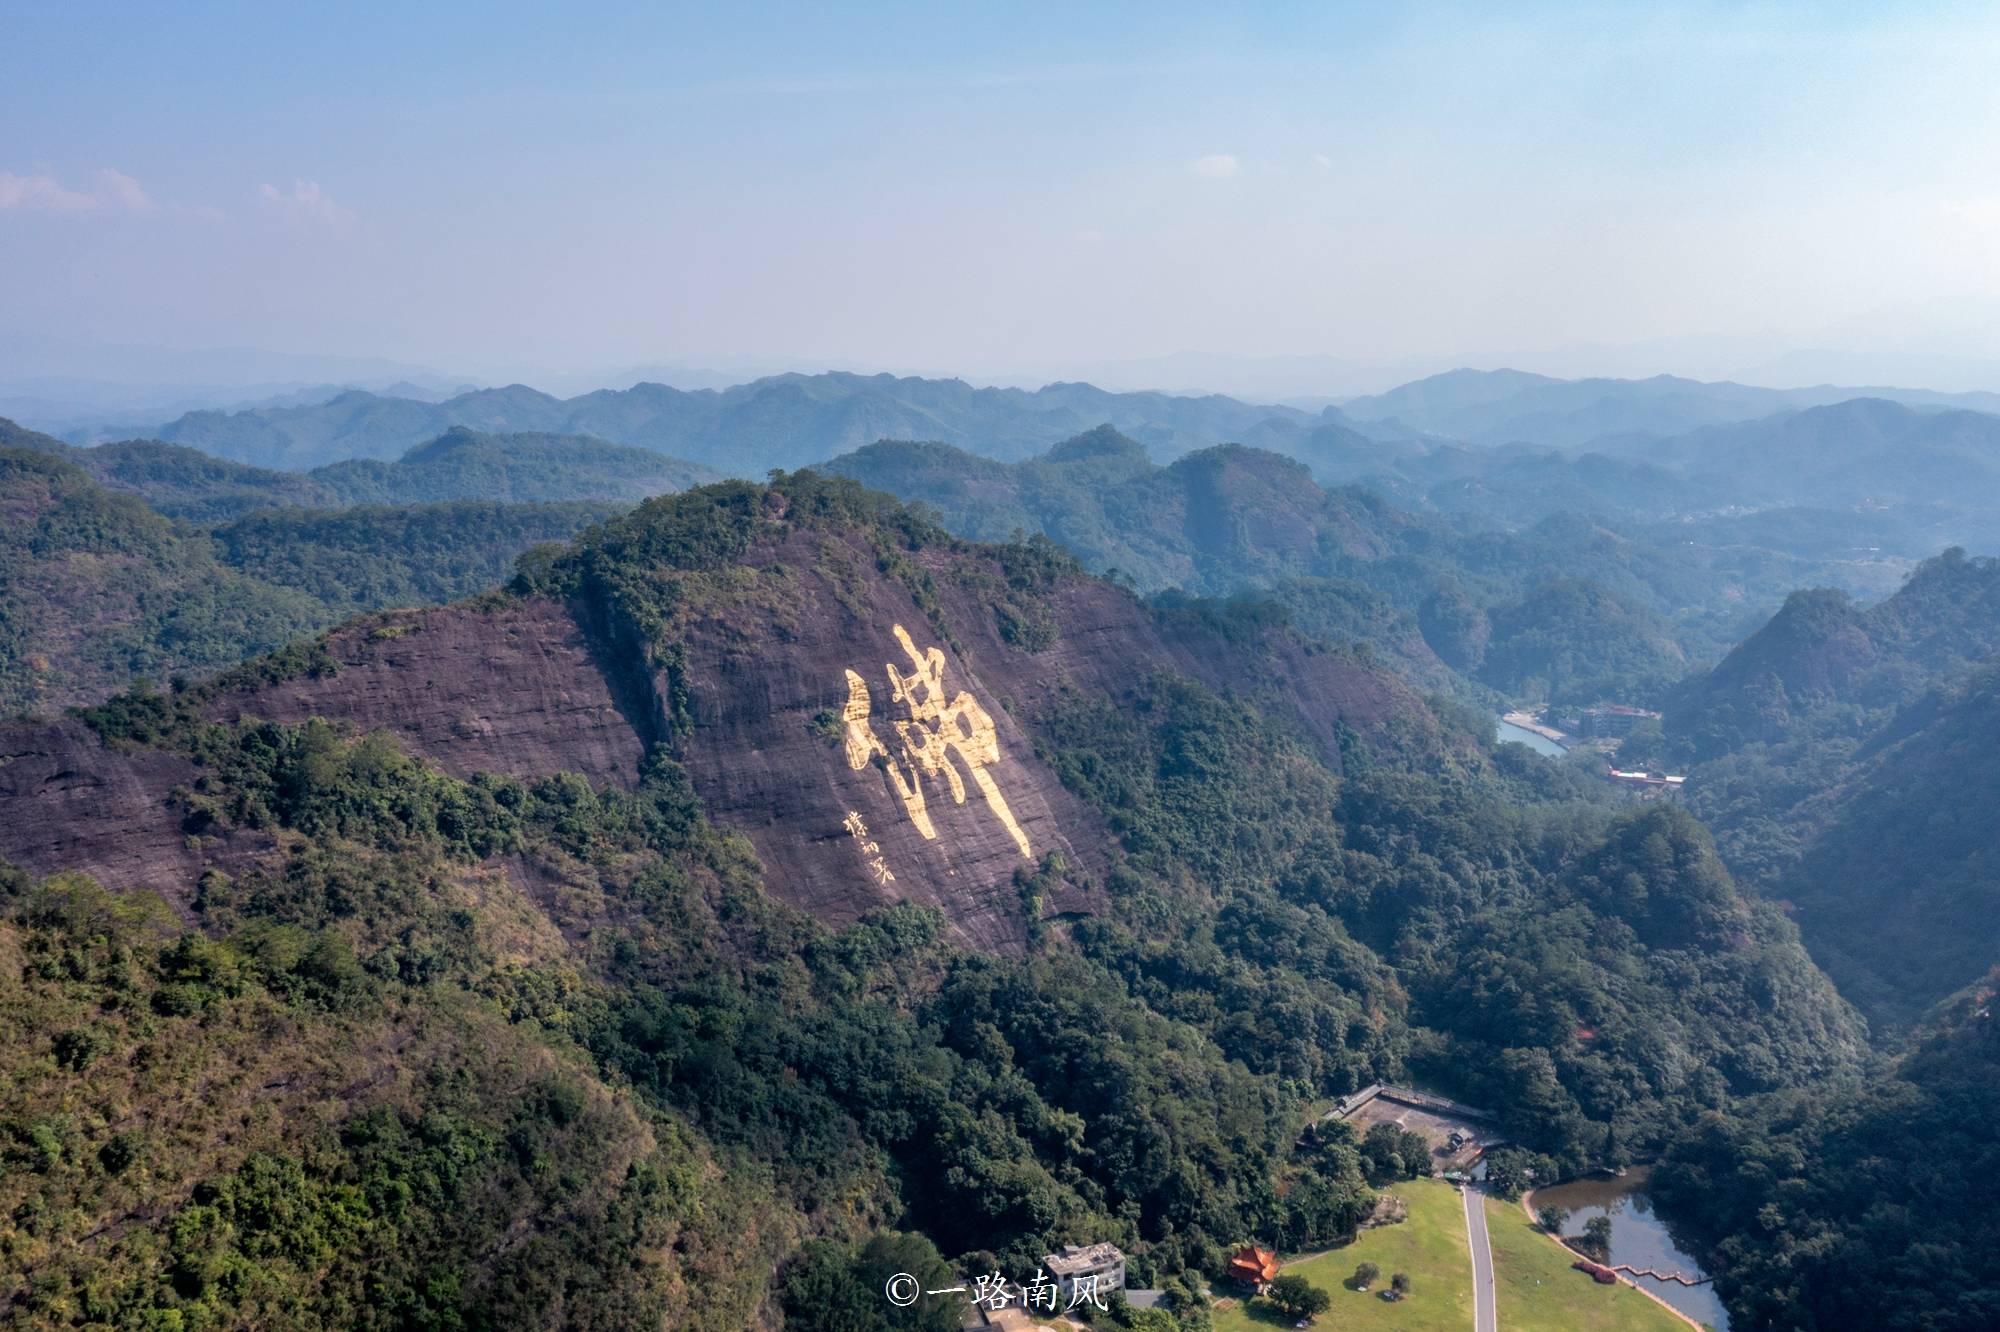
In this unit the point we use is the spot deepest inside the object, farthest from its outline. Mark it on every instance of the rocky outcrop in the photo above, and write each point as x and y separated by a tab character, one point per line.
68	802
865	723
511	689
766	687
909	797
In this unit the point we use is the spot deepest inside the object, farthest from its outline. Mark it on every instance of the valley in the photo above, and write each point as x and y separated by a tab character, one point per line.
969	780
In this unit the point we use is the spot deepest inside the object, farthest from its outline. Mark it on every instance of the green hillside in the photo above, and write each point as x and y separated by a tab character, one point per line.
97	588
1581	611
459	464
592	1007
1862	1206
1841	757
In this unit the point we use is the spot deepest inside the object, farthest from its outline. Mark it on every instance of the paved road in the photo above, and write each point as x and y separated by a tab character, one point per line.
1483	1317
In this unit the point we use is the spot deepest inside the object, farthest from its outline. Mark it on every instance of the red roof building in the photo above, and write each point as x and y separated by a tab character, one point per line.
1253	1266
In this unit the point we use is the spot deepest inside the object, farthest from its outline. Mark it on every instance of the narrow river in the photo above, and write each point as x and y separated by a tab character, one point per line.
1638	1237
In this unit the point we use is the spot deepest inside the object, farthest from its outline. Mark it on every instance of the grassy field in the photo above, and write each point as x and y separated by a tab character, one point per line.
1430	1247
1537	1290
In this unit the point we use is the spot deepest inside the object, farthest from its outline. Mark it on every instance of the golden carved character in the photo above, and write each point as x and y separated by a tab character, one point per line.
862	746
940	734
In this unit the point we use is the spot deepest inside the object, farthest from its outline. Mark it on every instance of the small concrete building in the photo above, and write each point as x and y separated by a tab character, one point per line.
1105	1261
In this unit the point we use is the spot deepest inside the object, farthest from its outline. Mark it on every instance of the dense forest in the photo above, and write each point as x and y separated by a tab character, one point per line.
96	588
622	1030
1564	610
1863	1205
1837	754
737	1109
148	560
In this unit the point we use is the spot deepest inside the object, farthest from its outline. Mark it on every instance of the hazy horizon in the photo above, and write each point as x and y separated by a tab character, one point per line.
1280	205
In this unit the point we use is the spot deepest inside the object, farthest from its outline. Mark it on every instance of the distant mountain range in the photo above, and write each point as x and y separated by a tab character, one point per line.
460	464
1558	609
1854	479
1510	406
784	422
1864	451
1431	442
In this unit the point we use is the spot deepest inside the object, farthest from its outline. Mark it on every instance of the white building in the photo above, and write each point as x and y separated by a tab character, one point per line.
1105	1261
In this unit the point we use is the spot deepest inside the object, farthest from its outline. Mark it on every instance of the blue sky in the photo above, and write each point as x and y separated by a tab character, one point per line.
1000	190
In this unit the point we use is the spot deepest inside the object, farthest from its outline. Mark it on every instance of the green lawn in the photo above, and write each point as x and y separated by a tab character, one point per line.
1538	1291
1430	1246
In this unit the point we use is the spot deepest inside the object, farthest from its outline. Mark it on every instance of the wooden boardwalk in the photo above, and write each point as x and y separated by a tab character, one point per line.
1680	1278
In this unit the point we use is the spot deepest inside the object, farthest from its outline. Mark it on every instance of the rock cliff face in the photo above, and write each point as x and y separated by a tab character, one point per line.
67	802
870	732
830	720
508	689
869	758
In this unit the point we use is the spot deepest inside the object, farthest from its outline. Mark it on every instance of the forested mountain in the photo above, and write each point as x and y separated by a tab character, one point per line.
1843	760
786	420
96	588
376	555
1851	490
1897	888
464	464
783	421
1567	609
1824	662
1863	451
459	464
622	949
1865	1205
1852	479
1660	451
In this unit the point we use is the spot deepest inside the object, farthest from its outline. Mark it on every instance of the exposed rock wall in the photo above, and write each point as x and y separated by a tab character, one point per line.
509	689
772	753
67	802
872	748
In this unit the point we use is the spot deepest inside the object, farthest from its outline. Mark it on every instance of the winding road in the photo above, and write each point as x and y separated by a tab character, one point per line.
1484	1318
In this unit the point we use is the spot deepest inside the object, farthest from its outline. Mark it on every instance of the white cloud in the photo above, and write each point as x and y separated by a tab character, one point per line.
306	202
119	190
1216	166
1322	161
109	191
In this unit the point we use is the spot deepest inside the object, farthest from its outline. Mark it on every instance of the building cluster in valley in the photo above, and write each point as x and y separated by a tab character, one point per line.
1459	1135
1574	727
1606	721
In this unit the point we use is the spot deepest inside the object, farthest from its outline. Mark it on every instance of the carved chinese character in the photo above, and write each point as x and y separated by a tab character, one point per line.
864	747
941	734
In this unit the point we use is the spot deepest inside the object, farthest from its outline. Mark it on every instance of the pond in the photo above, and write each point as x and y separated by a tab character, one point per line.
1638	1238
1521	735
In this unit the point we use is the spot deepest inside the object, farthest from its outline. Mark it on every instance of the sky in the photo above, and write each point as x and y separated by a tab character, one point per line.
1006	191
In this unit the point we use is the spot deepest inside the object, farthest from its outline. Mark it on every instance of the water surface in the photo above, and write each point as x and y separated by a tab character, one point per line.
1541	744
1638	1237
